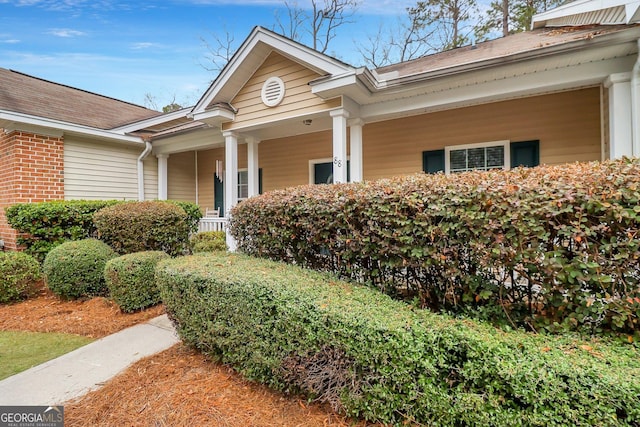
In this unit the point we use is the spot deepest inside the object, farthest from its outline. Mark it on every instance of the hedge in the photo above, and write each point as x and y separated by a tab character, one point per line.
44	225
131	280
208	241
19	276
144	226
382	360
553	247
75	269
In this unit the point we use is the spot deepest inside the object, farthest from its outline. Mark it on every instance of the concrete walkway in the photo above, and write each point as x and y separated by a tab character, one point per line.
87	368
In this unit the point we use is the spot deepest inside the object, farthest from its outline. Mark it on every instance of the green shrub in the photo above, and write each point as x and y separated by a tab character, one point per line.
209	241
19	276
76	269
131	280
144	226
44	225
554	247
194	214
383	360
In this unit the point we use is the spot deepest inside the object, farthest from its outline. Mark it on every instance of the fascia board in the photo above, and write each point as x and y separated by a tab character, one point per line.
295	51
154	121
557	51
12	117
584	75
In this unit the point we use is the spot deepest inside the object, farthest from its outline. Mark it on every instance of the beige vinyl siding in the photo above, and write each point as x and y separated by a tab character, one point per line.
567	125
151	178
298	99
96	170
285	162
182	177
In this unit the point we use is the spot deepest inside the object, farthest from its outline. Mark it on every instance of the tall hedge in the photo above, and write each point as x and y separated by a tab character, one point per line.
548	247
144	226
376	358
44	225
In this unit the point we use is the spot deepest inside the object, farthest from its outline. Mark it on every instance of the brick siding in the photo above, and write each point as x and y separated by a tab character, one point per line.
31	170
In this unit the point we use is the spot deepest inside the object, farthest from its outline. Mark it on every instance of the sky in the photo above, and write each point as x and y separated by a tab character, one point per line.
130	49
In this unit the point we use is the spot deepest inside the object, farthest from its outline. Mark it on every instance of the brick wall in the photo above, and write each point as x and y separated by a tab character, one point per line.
31	170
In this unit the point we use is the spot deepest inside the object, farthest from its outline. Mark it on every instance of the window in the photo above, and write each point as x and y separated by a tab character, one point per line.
491	155
484	156
243	185
321	171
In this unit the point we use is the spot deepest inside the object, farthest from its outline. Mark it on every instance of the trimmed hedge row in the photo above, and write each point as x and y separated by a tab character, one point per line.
379	359
45	225
548	247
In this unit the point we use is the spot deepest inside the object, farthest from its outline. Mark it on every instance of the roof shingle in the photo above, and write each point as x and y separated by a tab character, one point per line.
25	94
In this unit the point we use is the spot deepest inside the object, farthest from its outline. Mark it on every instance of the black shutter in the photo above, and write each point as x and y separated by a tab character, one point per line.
433	161
525	153
260	181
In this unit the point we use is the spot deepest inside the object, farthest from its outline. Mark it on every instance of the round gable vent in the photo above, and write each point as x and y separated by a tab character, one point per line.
272	91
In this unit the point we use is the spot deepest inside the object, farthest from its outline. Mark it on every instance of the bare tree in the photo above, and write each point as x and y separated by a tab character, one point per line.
320	22
295	18
408	40
220	50
151	101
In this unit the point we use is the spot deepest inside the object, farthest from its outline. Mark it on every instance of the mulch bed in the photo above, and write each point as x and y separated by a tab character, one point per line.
178	387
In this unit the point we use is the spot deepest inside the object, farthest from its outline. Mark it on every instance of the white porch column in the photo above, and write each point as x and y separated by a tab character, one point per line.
162	176
340	117
620	116
253	169
355	145
230	179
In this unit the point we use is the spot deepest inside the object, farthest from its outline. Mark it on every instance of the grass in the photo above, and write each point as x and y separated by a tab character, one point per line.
20	351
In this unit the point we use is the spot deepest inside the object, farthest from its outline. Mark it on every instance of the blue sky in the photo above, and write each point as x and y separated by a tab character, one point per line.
126	49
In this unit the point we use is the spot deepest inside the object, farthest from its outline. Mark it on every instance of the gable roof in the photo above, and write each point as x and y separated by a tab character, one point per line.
252	53
21	93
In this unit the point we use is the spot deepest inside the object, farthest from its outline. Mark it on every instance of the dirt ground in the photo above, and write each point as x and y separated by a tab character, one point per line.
178	387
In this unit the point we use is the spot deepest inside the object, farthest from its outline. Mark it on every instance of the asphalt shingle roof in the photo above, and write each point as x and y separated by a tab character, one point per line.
30	95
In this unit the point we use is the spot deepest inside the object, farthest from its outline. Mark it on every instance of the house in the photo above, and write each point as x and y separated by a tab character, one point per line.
281	114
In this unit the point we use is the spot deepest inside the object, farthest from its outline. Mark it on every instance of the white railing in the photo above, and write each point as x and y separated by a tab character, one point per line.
212	224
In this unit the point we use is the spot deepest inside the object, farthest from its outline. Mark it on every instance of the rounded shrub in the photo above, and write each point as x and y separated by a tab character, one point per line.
20	275
76	269
209	241
144	226
131	280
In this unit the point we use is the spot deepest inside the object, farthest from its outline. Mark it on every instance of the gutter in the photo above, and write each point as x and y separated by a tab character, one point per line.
145	153
635	105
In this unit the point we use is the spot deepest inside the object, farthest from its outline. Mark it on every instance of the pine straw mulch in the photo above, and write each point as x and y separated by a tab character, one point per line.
178	387
94	318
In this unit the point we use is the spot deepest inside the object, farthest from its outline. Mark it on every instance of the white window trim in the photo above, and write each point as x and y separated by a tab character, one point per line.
238	185
505	143
314	162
